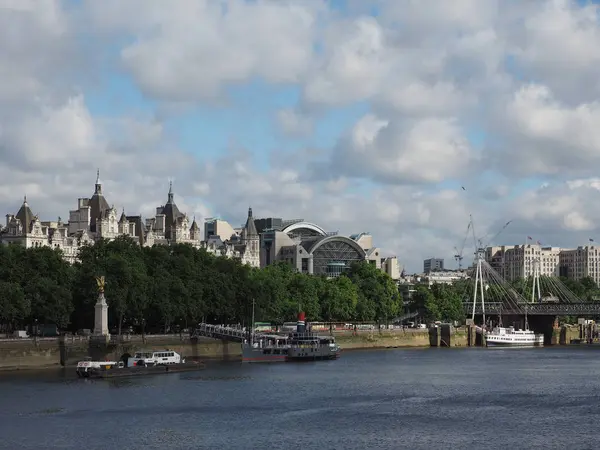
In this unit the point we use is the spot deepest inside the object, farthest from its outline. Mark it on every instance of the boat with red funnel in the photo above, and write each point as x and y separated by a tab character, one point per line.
301	345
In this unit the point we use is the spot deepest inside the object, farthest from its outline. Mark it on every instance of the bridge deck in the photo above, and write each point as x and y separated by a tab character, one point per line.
538	309
224	333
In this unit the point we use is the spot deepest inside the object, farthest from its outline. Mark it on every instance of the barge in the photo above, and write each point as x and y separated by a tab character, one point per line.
142	363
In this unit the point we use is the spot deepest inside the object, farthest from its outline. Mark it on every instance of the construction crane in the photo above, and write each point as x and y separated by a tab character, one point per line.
459	253
492	239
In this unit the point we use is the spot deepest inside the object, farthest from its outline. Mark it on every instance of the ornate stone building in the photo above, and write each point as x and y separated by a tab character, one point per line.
95	219
26	229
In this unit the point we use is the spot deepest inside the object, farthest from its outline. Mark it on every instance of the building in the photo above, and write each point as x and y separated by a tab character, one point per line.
259	242
218	228
444	277
522	261
310	249
433	264
95	219
580	262
392	267
28	230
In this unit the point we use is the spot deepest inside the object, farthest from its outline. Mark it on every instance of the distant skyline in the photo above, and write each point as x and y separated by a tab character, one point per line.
358	115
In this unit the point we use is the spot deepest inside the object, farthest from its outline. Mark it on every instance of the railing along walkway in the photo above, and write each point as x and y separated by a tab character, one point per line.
224	333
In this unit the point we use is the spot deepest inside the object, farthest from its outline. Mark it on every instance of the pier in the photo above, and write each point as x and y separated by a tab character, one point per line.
225	333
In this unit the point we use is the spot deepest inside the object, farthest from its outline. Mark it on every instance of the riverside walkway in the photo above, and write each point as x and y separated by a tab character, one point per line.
225	333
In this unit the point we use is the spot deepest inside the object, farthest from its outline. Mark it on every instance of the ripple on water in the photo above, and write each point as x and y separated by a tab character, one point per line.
389	400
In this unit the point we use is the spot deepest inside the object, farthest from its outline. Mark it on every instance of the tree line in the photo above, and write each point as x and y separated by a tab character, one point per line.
153	289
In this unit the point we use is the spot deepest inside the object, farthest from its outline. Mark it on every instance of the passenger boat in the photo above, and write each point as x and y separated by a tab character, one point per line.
302	345
510	337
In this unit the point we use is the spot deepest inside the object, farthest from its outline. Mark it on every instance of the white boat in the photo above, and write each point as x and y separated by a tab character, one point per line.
509	337
155	358
85	367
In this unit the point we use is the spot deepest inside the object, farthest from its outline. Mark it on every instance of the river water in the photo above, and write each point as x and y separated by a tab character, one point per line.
392	399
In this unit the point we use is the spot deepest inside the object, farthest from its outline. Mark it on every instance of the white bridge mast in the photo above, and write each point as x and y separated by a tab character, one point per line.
478	288
536	282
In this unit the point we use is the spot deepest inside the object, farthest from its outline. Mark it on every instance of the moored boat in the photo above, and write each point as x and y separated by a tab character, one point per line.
269	348
510	337
142	363
85	367
302	345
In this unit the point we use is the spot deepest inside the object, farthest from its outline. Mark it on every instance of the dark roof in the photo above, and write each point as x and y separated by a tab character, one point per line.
98	204
250	227
25	215
171	212
215	240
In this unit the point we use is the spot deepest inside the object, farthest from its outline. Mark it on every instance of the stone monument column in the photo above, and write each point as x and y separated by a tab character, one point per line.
310	264
101	311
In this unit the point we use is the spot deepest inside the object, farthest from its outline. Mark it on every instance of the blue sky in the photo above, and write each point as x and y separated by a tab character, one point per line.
523	97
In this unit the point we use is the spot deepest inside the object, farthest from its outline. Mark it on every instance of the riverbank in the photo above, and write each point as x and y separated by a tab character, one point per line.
26	354
54	353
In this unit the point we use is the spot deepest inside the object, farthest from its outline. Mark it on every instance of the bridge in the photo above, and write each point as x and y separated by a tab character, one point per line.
541	296
224	333
536	309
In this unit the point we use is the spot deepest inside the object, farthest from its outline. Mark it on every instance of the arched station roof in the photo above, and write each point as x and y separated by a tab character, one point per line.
342	239
304	226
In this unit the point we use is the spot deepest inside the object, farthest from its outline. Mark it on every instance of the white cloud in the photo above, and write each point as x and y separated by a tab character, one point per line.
548	137
422	151
188	50
460	92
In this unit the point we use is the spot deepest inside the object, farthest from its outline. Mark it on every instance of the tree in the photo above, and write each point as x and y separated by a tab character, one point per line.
14	306
424	302
379	298
338	298
448	304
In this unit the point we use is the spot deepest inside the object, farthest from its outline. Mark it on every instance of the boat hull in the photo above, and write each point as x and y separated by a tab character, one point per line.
270	355
501	344
314	357
312	354
123	372
263	355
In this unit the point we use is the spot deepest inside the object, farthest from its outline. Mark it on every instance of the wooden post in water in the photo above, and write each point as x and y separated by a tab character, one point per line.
434	336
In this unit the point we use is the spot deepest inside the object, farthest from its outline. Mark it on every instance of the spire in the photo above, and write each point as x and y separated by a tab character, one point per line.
98	189
170	192
250	228
194	226
25	199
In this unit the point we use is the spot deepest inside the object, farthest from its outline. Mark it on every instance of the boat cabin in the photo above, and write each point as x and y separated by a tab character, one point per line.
154	358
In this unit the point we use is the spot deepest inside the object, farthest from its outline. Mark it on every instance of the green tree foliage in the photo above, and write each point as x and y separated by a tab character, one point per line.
157	289
378	297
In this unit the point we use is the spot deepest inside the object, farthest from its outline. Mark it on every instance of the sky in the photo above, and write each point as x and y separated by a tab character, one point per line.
400	118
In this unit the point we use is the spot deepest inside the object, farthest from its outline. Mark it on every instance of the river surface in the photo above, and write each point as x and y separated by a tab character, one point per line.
392	399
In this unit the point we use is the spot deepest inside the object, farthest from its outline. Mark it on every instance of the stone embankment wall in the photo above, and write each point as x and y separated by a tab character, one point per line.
47	352
29	353
385	339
